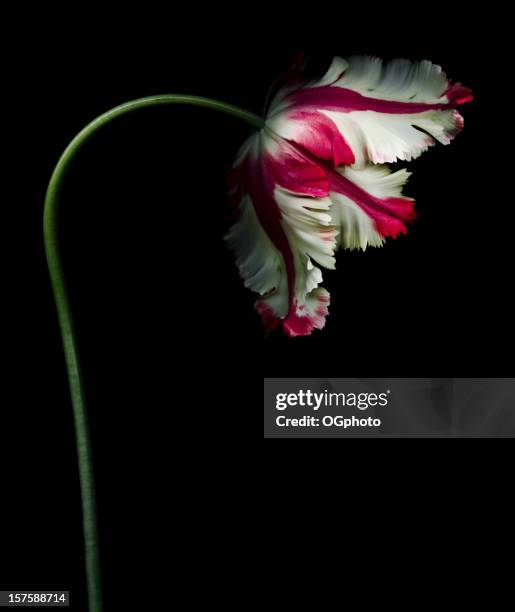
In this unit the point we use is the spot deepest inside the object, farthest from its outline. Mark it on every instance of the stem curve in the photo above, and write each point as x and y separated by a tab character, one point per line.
64	312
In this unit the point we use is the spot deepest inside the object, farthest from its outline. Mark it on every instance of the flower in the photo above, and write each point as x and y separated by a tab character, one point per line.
309	182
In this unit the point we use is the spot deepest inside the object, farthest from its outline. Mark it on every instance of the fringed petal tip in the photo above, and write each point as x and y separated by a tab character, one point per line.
455	129
457	94
303	317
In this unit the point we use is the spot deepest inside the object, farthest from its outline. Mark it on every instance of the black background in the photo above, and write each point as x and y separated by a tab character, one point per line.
159	306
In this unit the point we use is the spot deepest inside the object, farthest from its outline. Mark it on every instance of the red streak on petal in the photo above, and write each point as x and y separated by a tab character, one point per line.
389	214
346	100
259	179
295	172
321	137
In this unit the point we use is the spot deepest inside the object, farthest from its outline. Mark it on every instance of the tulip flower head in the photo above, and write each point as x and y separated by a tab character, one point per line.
315	178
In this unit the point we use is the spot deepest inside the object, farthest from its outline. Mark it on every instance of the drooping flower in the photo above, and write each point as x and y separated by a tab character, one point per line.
308	183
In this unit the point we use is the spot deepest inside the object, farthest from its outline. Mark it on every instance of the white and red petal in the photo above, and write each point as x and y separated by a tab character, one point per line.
280	231
306	312
317	133
366	110
368	205
308	315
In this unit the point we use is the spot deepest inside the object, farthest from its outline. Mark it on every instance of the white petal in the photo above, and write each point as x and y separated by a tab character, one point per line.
258	261
309	229
398	79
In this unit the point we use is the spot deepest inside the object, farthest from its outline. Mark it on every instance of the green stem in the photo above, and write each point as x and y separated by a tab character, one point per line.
50	223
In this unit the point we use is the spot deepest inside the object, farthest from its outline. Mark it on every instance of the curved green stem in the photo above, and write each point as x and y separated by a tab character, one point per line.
50	223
